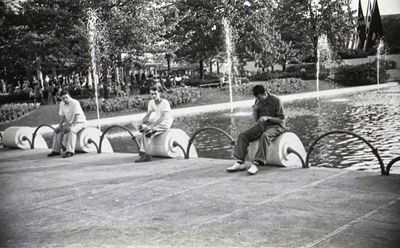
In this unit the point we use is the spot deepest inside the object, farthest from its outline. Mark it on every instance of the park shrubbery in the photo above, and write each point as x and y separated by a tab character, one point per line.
15	98
303	71
352	54
198	82
176	96
275	86
362	74
13	111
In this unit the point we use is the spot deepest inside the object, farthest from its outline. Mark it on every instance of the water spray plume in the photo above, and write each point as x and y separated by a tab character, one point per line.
92	46
229	47
323	53
379	52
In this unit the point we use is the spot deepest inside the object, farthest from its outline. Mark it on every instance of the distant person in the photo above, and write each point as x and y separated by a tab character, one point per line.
50	91
163	121
178	79
38	93
72	120
269	116
3	86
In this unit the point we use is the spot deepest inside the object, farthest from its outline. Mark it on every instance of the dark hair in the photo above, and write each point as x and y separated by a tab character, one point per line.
154	86
64	92
258	89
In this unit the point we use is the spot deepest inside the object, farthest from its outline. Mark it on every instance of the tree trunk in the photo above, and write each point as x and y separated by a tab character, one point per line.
217	67
201	67
168	66
211	66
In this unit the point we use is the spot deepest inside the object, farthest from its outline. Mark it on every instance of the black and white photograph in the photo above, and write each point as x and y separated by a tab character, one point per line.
200	123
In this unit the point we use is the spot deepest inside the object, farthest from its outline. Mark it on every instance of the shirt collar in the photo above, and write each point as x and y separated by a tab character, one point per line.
267	100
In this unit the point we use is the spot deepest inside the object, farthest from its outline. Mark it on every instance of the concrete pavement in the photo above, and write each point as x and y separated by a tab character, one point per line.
103	200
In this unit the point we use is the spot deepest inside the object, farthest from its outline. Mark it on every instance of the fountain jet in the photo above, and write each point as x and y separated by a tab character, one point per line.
92	47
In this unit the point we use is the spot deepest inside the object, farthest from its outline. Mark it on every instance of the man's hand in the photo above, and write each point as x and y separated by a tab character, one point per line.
264	119
58	129
66	128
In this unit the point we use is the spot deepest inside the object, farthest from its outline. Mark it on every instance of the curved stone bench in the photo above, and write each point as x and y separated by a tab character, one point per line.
13	138
162	144
277	152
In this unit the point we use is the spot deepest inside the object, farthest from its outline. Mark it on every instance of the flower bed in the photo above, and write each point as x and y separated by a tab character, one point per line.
274	86
13	111
176	97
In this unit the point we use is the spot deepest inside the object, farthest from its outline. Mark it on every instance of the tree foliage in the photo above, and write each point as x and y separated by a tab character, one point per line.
301	22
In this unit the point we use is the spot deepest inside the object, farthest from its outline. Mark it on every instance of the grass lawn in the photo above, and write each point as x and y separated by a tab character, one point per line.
48	114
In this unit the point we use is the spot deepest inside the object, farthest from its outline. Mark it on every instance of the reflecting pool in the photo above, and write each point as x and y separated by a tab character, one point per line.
374	115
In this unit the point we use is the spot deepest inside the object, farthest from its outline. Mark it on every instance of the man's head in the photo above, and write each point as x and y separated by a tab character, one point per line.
154	93
259	92
65	97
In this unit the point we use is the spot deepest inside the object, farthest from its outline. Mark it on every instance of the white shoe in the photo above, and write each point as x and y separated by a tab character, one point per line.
237	166
253	169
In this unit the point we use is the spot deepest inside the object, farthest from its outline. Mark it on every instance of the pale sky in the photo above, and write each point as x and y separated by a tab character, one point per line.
386	7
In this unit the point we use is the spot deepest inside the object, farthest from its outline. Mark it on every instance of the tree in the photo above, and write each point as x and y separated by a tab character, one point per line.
198	31
301	22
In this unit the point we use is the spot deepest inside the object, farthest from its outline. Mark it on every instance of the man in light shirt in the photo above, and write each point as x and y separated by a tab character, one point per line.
162	122
72	120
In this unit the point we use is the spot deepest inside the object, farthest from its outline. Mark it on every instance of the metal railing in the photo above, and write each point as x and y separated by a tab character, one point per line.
176	144
113	127
291	150
191	140
390	164
373	149
32	143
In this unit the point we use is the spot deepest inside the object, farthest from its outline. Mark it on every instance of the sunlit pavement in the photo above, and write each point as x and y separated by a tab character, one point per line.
100	200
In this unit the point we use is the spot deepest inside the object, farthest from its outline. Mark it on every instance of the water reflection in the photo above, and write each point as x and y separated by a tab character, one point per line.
373	115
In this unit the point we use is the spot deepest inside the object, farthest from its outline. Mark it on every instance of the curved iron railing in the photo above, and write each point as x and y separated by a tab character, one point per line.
373	149
24	138
113	127
176	144
187	154
390	164
291	150
35	132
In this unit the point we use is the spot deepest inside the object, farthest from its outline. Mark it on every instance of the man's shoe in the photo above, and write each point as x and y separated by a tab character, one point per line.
67	155
253	169
53	153
237	166
143	158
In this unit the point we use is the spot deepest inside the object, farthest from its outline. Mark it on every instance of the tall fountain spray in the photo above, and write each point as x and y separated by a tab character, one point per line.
92	46
323	53
229	49
379	52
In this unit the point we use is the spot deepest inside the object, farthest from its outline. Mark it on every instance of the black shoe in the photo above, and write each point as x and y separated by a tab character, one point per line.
143	158
53	153
67	155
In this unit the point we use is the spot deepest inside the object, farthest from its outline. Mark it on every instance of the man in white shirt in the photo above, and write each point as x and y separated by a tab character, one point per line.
162	122
72	120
